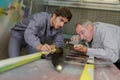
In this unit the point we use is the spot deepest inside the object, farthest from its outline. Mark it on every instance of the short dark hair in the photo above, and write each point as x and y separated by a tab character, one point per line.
64	12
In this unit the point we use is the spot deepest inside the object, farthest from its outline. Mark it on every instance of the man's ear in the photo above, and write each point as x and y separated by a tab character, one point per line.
54	15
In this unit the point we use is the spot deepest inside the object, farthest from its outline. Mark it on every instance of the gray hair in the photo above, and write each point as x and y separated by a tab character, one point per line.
84	24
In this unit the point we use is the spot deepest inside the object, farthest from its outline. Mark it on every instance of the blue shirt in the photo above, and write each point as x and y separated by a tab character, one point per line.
37	30
106	41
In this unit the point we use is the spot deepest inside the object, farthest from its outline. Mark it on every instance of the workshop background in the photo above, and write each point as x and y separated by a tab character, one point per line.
12	11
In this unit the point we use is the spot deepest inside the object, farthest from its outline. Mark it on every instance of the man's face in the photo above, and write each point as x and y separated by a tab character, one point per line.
85	33
58	21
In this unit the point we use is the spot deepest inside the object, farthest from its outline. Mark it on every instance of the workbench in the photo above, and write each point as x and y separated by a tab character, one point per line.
43	70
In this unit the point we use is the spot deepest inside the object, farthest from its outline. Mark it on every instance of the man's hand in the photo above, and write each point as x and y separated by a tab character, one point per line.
45	47
80	48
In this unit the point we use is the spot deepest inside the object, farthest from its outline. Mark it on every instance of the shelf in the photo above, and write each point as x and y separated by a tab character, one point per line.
84	4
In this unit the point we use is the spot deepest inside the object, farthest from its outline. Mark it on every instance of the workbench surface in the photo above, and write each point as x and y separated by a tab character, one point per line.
43	70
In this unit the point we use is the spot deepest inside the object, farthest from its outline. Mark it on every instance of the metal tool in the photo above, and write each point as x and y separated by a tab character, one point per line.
61	55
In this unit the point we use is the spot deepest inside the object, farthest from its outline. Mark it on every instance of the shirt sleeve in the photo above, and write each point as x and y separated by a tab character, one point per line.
58	39
107	47
31	31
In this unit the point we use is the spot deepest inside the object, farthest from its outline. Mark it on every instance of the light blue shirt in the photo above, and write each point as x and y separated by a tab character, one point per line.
106	41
